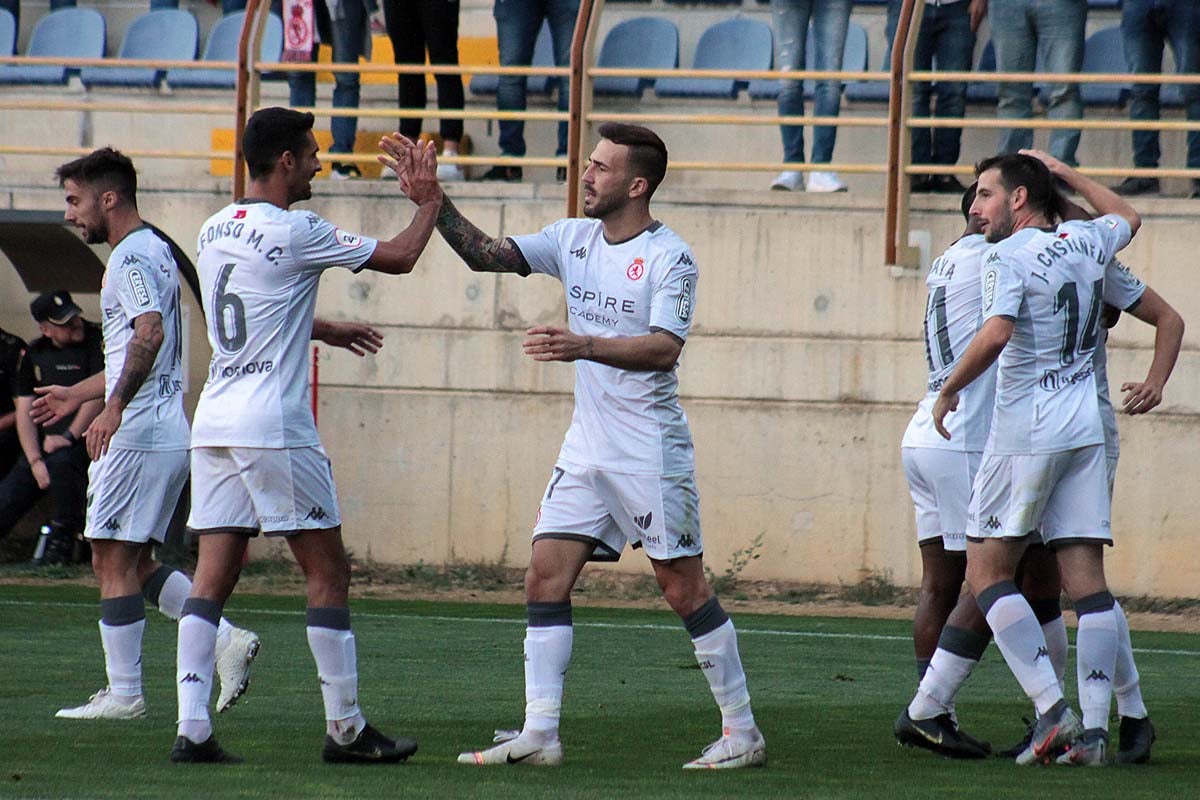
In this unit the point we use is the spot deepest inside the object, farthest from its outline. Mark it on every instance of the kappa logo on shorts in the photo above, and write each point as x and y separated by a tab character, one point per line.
686	540
112	524
992	524
316	513
644	521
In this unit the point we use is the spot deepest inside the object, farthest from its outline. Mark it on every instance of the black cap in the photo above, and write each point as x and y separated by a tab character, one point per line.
56	307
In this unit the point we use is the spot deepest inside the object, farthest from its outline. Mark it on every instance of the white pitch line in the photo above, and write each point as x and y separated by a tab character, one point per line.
649	626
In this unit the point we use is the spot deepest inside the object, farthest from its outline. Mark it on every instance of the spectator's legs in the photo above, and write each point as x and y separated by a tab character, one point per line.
1060	36
789	19
348	32
922	138
402	18
1015	39
517	24
13	6
953	49
831	20
561	15
1143	42
18	492
439	19
1184	32
68	485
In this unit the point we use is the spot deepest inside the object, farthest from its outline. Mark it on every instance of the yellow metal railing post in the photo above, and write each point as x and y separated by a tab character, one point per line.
583	45
896	217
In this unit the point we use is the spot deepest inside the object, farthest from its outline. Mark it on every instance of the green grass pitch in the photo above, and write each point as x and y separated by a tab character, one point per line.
825	693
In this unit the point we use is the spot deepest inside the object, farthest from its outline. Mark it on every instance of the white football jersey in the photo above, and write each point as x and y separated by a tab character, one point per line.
1123	290
624	421
1051	283
259	267
142	277
953	314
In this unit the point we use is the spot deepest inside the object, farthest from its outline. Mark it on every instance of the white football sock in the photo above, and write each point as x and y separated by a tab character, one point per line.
946	674
547	656
196	653
1096	660
1126	681
1055	632
337	667
174	593
123	656
1017	633
717	655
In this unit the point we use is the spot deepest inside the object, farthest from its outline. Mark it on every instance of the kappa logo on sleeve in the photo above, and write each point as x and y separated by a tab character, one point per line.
347	239
137	285
683	308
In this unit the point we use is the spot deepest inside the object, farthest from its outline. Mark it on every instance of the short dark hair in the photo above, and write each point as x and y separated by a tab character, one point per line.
968	200
106	169
271	132
647	153
1021	170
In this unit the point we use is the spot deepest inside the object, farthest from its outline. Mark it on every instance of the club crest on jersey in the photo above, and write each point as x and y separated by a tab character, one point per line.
137	284
348	239
683	308
636	270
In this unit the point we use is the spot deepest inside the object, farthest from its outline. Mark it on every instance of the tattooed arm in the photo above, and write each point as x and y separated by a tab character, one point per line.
139	361
481	252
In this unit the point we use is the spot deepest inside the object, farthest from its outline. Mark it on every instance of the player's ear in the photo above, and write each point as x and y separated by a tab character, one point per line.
1018	198
638	187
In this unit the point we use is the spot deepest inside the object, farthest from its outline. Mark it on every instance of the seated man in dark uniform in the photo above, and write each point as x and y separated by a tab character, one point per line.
12	350
53	458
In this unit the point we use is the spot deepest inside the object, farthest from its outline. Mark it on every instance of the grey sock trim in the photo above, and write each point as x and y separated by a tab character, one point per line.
988	597
1095	603
1046	609
705	619
153	587
206	610
122	610
963	643
922	666
337	619
548	615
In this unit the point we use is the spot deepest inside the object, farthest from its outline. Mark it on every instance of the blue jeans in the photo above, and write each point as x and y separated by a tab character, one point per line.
945	38
830	21
1146	25
517	25
346	37
1045	34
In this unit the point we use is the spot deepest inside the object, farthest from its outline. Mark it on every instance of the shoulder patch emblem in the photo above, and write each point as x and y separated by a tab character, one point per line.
348	239
989	288
683	308
137	285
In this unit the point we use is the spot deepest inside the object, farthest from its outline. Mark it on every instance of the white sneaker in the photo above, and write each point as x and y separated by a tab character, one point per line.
788	181
511	750
388	174
825	182
733	750
450	172
105	705
233	666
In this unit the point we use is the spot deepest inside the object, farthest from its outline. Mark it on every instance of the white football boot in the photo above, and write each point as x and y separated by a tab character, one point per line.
733	750
233	666
105	705
512	750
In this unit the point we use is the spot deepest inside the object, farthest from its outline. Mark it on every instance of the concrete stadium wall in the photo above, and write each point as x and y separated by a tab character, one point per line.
804	367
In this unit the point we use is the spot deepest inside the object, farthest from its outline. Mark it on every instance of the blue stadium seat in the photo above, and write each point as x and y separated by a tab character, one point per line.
984	92
854	58
8	33
167	35
651	42
67	33
543	56
737	43
222	45
1104	52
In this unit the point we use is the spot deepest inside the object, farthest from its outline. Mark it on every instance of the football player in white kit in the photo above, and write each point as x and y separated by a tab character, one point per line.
139	442
625	473
257	461
1044	466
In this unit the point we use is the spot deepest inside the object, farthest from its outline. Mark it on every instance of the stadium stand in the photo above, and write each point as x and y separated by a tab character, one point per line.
66	33
222	46
8	33
855	57
543	56
736	43
165	35
1104	52
651	42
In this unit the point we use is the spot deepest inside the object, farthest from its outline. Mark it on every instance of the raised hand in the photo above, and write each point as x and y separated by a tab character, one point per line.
356	337
52	404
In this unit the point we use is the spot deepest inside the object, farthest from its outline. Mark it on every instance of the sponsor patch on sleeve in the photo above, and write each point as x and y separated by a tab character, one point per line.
989	289
683	308
137	285
347	239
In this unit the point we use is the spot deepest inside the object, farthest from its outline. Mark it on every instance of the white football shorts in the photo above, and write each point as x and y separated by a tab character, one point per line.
659	513
940	484
252	489
1064	495
132	494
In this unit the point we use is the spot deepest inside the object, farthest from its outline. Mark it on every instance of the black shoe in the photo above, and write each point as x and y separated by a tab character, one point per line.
1131	187
920	184
946	184
1137	735
939	734
343	172
507	174
186	751
1021	746
371	747
560	175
